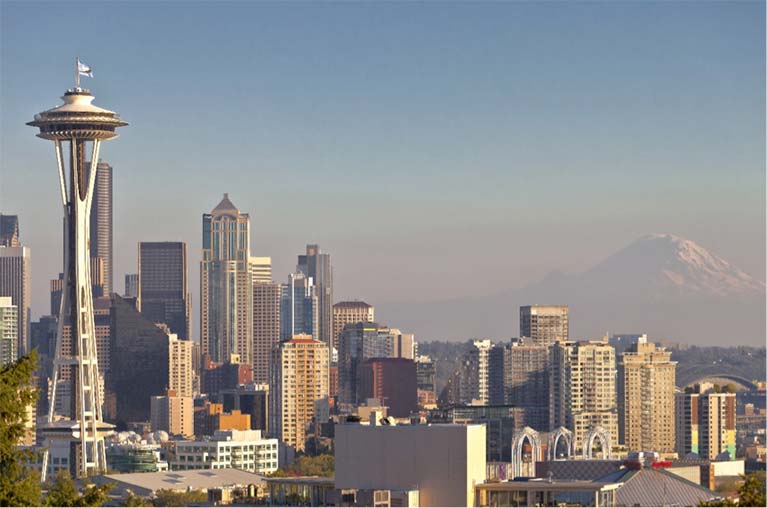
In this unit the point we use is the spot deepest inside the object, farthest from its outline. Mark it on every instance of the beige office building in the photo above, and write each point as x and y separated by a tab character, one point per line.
345	313
173	414
705	423
266	326
226	303
438	465
261	269
544	324
180	372
646	384
299	379
582	388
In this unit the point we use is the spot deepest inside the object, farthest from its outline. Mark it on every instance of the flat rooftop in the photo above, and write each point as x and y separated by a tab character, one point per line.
202	479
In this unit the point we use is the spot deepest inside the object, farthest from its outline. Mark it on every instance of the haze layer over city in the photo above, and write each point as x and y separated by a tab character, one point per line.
442	153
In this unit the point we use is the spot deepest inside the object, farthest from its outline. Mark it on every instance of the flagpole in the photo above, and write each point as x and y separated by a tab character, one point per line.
77	72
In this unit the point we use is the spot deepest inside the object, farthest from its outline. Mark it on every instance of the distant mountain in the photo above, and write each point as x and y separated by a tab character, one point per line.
666	286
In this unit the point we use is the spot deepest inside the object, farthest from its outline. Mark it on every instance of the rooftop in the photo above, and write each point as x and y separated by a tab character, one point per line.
202	479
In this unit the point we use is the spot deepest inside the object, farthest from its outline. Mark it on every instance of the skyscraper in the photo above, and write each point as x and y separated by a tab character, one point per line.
163	292
9	330
9	230
544	324
345	313
646	385
318	266
393	381
582	388
364	341
705	423
180	373
102	245
299	380
15	273
299	307
519	376
226	306
266	326
140	365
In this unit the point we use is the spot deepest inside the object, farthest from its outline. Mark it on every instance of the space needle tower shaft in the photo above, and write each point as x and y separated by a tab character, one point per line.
77	129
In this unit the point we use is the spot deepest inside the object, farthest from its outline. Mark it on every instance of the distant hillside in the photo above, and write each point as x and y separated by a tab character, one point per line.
694	362
665	286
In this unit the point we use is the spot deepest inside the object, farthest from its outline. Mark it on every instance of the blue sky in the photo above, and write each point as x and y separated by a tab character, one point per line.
434	149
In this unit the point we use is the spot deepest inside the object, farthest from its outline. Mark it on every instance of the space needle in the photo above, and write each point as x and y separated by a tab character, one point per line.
77	129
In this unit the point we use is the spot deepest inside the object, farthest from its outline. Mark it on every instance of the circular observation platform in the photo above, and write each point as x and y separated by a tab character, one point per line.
77	119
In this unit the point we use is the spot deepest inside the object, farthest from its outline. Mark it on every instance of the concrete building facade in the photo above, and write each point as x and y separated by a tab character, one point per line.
705	423
163	288
646	385
299	380
582	389
544	324
345	313
266	326
442	463
246	450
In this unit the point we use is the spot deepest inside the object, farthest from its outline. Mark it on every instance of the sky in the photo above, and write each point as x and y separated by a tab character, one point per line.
435	150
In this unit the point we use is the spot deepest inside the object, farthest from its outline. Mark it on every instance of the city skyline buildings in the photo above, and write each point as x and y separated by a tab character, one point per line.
404	171
163	291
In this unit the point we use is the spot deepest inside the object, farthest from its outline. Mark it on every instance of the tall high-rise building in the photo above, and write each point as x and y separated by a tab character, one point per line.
544	324
346	313
393	381
582	388
705	423
299	380
299	307
261	269
9	231
519	377
646	385
364	341
475	373
266	326
131	285
9	330
102	245
226	297
318	266
139	363
15	273
180	372
163	292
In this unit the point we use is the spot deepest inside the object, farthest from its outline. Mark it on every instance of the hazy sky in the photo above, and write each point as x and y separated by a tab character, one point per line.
435	150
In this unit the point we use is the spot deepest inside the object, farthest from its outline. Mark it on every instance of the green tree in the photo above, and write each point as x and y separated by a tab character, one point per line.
304	465
165	497
133	500
752	491
19	483
63	492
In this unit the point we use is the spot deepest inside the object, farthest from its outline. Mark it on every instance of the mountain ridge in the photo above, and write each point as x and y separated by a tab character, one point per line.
661	284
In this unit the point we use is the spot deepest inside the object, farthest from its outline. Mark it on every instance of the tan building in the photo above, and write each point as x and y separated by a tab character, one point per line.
646	384
266	326
260	269
345	313
544	324
299	379
9	331
582	388
180	372
173	414
439	464
226	305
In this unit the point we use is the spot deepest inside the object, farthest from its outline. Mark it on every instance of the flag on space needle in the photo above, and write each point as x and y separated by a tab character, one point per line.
84	70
